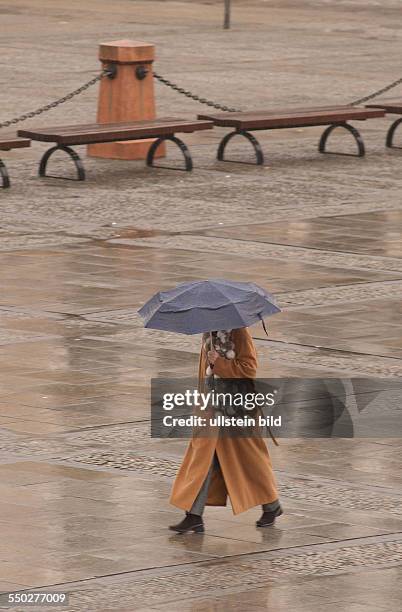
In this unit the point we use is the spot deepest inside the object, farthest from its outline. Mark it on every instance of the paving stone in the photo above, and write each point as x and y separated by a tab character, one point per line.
259	250
258	572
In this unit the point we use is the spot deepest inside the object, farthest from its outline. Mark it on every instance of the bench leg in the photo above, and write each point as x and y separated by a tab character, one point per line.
5	183
390	135
355	133
188	162
256	146
74	156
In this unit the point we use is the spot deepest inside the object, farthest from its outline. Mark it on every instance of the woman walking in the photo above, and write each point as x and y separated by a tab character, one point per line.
218	467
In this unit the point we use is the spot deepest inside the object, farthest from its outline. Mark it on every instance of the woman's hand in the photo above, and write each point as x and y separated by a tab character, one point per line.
212	356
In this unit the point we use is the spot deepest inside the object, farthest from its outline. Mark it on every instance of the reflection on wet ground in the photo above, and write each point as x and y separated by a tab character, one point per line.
84	488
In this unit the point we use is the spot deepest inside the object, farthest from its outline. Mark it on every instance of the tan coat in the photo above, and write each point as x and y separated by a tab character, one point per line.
246	474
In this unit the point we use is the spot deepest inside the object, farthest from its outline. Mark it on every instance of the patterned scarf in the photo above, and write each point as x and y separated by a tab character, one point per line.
222	343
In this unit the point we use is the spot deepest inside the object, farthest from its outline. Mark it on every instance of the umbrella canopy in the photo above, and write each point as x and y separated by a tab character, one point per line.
210	305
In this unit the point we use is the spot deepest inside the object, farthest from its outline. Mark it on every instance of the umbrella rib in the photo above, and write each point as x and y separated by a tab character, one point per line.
173	296
213	281
203	307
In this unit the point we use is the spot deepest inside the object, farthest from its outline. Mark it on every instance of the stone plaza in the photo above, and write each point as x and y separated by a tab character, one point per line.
84	488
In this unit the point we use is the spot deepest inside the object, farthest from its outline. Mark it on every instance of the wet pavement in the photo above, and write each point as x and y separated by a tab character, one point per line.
84	489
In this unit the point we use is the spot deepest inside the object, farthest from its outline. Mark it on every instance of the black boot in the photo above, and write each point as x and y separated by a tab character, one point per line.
268	518
192	522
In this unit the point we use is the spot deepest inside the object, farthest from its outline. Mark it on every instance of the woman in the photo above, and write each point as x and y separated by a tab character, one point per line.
216	467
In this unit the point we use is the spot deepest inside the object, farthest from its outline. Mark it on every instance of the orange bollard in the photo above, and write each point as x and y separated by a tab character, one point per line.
128	96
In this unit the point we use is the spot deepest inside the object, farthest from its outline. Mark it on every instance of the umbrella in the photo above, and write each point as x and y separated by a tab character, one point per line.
208	305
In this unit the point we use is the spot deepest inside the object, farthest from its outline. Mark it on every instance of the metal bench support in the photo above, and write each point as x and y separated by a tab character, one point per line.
256	146
5	183
188	162
355	133
390	134
74	156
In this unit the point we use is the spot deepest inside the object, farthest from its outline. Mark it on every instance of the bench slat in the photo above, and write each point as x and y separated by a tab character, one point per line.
110	132
292	118
275	111
12	142
389	106
118	125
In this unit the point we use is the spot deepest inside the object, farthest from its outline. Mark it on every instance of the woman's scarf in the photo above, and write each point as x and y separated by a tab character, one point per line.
222	343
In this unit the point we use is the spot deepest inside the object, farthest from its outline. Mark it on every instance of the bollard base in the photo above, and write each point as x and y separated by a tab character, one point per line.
125	149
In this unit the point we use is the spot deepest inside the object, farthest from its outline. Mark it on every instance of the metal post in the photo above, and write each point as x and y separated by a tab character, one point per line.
226	20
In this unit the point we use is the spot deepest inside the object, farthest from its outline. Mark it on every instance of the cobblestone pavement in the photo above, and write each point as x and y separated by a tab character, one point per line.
83	487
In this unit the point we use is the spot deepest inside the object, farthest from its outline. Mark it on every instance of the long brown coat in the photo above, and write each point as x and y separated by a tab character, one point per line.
246	474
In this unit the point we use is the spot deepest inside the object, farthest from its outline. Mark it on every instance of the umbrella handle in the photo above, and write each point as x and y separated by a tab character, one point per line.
212	346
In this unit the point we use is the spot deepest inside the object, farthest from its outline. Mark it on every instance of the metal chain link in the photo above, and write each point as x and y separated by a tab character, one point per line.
377	93
189	94
56	103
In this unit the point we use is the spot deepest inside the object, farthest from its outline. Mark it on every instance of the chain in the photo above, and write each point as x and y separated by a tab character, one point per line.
188	94
377	93
173	86
56	103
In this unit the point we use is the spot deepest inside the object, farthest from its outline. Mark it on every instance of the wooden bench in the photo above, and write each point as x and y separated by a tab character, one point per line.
392	107
161	129
7	143
333	116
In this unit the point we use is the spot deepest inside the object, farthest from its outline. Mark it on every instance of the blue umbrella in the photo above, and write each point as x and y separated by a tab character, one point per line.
205	306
